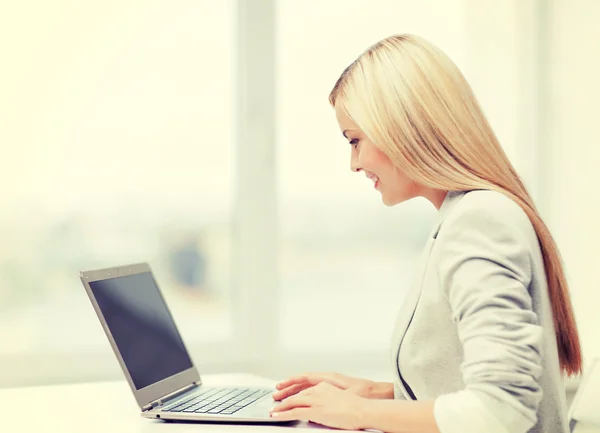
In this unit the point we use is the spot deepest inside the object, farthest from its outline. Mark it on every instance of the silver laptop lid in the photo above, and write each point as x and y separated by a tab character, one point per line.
141	331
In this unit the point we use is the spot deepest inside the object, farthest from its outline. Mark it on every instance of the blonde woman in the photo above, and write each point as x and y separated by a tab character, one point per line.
487	329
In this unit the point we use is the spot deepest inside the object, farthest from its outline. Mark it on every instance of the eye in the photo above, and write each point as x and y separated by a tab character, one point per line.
354	142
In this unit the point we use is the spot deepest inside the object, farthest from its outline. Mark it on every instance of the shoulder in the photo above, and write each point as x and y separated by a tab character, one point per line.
490	212
483	229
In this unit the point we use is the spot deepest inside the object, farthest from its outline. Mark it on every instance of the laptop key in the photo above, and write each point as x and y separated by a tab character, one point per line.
229	411
214	411
186	404
191	408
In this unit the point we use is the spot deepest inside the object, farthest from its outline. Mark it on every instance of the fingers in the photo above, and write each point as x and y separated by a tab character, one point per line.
299	400
294	380
311	379
289	391
299	413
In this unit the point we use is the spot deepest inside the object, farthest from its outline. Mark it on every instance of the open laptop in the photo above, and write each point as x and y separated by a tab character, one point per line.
153	357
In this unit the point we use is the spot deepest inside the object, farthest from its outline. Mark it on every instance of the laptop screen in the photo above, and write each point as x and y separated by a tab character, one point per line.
142	327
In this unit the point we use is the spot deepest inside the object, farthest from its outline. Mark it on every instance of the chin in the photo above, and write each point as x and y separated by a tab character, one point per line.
392	201
388	202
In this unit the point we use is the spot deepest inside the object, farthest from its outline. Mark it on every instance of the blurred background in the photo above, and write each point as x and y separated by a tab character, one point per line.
196	135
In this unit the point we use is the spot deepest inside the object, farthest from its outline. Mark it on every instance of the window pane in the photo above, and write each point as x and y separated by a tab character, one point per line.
117	149
346	258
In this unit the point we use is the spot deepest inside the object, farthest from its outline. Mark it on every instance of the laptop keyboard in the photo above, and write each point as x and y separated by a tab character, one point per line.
224	401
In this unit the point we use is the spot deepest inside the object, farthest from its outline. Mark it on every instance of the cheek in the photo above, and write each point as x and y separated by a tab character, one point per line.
386	171
375	160
394	181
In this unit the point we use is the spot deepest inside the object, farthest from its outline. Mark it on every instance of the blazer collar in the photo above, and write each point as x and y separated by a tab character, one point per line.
412	297
452	197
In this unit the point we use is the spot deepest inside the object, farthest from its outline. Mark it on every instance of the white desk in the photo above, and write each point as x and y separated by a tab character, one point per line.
107	407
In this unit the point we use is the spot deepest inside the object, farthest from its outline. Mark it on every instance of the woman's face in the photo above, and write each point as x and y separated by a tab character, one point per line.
394	186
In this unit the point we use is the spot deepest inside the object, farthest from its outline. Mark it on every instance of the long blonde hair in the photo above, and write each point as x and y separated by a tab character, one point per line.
415	105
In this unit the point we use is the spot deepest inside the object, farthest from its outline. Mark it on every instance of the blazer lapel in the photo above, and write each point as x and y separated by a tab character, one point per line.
450	201
411	299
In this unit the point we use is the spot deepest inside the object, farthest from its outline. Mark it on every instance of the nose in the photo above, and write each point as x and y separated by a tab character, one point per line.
354	165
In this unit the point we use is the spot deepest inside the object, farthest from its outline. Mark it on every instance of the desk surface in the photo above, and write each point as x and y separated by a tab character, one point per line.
107	407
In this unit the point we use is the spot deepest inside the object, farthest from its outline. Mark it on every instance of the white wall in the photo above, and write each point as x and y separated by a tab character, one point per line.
503	40
574	148
564	183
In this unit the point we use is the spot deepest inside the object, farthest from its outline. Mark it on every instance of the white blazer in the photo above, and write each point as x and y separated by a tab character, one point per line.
475	333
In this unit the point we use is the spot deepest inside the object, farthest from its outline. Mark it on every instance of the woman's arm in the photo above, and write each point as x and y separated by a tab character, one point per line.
485	270
404	416
381	391
362	387
399	416
331	406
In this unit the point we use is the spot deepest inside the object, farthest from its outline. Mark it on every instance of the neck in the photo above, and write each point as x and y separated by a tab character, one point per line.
435	196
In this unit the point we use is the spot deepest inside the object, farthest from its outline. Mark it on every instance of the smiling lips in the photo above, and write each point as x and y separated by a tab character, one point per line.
374	178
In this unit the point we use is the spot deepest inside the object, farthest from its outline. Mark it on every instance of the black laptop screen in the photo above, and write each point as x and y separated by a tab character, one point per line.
142	328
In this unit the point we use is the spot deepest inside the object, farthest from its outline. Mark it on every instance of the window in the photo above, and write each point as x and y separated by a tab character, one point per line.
346	259
118	148
172	133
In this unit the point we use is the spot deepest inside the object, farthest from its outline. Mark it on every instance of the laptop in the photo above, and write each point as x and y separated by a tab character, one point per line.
153	357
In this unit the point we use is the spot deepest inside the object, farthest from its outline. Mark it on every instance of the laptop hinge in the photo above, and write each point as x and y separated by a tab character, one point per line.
165	398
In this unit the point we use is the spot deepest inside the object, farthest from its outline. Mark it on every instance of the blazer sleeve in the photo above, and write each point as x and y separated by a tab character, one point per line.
485	271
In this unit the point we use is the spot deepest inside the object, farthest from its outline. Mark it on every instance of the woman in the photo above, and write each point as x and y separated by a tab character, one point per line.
487	328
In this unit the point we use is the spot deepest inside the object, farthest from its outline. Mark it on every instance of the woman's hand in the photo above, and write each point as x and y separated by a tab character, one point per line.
361	387
324	404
